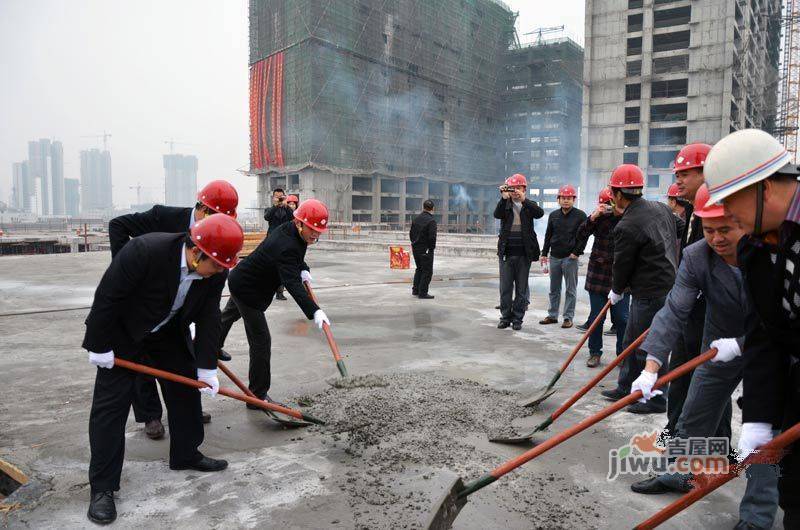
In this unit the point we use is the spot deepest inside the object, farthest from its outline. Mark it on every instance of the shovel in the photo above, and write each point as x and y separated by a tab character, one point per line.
769	453
280	418
175	378
524	438
455	497
329	335
543	393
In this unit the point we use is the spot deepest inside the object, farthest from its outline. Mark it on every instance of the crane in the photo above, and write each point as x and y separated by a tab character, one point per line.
544	31
105	136
172	143
138	189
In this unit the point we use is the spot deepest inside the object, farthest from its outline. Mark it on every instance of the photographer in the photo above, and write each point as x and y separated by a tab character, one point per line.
276	215
517	248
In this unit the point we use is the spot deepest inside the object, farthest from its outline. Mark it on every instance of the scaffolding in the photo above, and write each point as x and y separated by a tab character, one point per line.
789	111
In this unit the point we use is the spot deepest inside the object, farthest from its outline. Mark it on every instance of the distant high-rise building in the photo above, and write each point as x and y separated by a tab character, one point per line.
96	181
21	187
72	197
180	179
46	165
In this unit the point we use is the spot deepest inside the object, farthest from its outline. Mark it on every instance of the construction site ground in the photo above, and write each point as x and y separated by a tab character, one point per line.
451	376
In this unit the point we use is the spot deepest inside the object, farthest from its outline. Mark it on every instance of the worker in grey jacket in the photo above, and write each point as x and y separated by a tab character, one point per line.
708	266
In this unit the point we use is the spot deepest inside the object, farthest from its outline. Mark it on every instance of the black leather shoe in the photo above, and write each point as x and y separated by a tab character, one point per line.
650	486
516	326
426	296
497	307
280	296
613	395
582	327
262	398
647	408
414	292
222	355
101	508
154	429
206	417
204	464
503	324
612	332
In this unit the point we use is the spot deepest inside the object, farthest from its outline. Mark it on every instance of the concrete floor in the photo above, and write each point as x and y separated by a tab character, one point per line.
277	477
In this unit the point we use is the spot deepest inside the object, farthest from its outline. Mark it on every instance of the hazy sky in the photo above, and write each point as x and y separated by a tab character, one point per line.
146	71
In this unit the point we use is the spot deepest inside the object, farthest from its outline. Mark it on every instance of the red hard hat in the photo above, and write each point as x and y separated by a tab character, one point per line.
220	196
220	238
313	214
691	156
567	191
517	179
672	192
627	176
292	198
701	206
605	196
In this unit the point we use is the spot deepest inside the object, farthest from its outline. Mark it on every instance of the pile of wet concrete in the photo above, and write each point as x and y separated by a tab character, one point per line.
408	429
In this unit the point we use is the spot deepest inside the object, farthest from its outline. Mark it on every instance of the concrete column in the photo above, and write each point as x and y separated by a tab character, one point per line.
402	219
376	199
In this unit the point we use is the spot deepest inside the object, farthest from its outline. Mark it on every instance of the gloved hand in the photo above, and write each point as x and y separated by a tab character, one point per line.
645	383
321	318
754	435
614	297
306	276
209	377
727	350
102	360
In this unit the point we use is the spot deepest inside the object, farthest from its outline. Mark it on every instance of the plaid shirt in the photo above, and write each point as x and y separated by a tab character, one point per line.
598	274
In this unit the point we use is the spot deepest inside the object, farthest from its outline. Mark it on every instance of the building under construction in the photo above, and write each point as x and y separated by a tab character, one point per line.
374	107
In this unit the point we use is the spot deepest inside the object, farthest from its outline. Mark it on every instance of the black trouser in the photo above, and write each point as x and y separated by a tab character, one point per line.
258	338
146	403
789	480
422	276
111	403
686	348
639	319
514	271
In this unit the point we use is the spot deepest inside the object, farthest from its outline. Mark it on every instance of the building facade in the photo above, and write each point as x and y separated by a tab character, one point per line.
659	74
21	187
96	198
180	179
72	197
45	177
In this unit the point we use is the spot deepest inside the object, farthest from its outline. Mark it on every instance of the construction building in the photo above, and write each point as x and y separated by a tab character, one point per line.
43	186
180	180
374	107
21	187
540	102
72	197
96	182
660	74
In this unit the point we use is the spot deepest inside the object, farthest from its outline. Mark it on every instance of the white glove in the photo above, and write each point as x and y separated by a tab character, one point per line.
645	383
754	435
210	378
614	297
321	318
102	360
727	350
306	276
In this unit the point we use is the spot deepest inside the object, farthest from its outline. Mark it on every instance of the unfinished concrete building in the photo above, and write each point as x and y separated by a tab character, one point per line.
374	107
541	94
663	73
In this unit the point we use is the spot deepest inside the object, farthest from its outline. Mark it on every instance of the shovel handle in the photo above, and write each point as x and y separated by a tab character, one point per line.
555	440
236	381
585	336
772	448
326	328
613	364
175	378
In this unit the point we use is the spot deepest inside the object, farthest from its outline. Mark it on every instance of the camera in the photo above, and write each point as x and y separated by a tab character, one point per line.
506	189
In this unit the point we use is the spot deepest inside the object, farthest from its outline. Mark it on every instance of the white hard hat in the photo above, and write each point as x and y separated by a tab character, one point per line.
740	160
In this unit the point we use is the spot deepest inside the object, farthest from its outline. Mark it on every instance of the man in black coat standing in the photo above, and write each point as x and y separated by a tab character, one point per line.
279	213
279	259
217	196
154	288
423	243
517	248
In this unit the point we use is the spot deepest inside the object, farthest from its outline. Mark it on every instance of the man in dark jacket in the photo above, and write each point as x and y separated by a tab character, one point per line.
601	225
752	174
154	288
423	243
217	196
279	213
645	261
517	248
562	242
279	259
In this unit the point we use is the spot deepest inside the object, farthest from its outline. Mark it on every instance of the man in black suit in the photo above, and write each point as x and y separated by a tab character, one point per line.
154	288
423	243
279	259
279	213
217	196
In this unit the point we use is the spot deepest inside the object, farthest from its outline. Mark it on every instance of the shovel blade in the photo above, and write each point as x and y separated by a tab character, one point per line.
537	397
512	439
286	421
447	508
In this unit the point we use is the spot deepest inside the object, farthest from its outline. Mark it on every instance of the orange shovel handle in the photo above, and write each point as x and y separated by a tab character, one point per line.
585	336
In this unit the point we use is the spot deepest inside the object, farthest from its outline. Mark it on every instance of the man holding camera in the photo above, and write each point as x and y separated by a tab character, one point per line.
517	248
275	216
